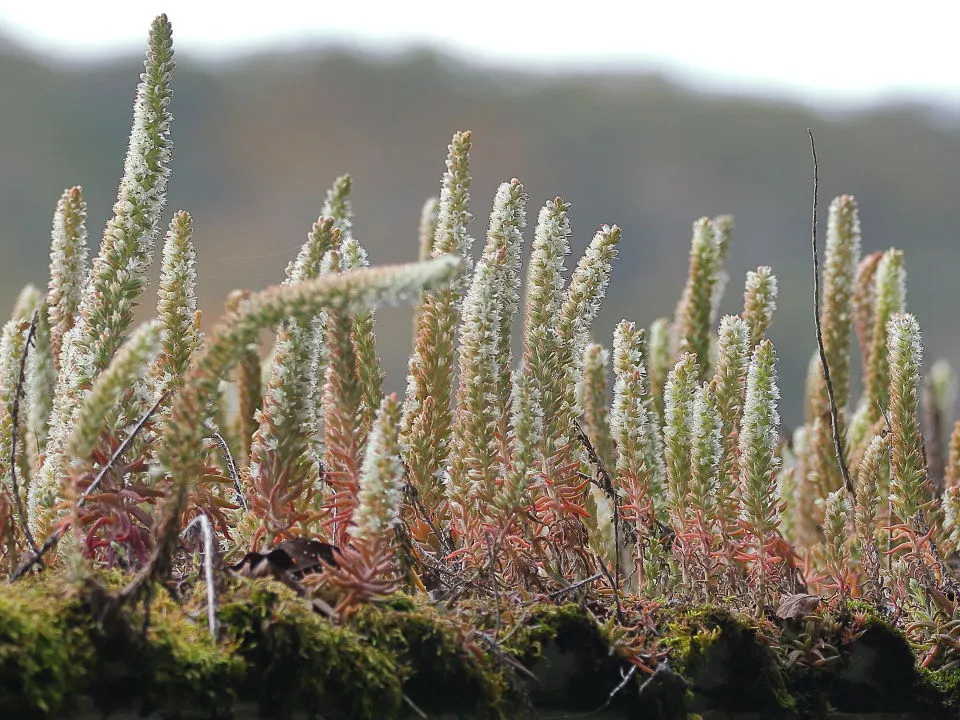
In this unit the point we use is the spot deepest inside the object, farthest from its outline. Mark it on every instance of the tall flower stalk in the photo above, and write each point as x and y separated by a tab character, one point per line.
759	465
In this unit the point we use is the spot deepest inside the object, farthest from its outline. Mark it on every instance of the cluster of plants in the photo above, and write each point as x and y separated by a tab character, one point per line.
641	474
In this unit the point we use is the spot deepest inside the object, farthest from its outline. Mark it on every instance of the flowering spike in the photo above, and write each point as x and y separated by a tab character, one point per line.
952	475
678	401
705	461
909	489
839	275
836	515
869	498
381	478
68	265
759	302
428	227
117	276
587	286
177	306
179	450
943	384
890	298
594	402
692	323
12	342
505	237
338	206
864	299
729	386
480	422
342	400
759	465
369	372
28	301
247	377
41	379
659	361
633	430
425	436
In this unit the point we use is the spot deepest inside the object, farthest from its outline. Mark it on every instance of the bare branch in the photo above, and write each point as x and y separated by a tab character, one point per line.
231	469
15	432
209	553
834	422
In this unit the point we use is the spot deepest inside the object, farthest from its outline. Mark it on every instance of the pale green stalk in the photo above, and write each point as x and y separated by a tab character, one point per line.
41	379
381	478
117	278
864	299
836	515
659	362
909	488
28	301
869	500
109	390
729	386
427	415
12	342
68	266
759	465
692	323
594	403
759	302
177	306
678	439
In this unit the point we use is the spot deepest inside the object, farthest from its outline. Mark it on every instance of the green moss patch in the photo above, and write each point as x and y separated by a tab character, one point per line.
64	649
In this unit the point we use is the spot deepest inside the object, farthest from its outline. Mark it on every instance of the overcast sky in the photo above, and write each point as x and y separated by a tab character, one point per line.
847	51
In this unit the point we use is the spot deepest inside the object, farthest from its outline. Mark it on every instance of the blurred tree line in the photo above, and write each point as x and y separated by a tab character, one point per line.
258	141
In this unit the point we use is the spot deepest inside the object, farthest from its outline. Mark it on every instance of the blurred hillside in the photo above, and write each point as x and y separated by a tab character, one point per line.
257	143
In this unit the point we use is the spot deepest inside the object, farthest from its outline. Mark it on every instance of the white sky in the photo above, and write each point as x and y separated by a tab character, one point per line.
846	51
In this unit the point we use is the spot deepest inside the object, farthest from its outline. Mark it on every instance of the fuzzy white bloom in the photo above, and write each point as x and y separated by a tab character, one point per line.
909	491
759	436
116	278
473	457
587	287
12	343
453	214
338	207
545	281
68	264
678	403
177	305
381	478
428	226
27	302
526	418
629	412
759	301
706	449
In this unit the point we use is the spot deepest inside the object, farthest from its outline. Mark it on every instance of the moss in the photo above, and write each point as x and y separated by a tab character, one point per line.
441	667
63	648
572	657
297	661
728	665
43	657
